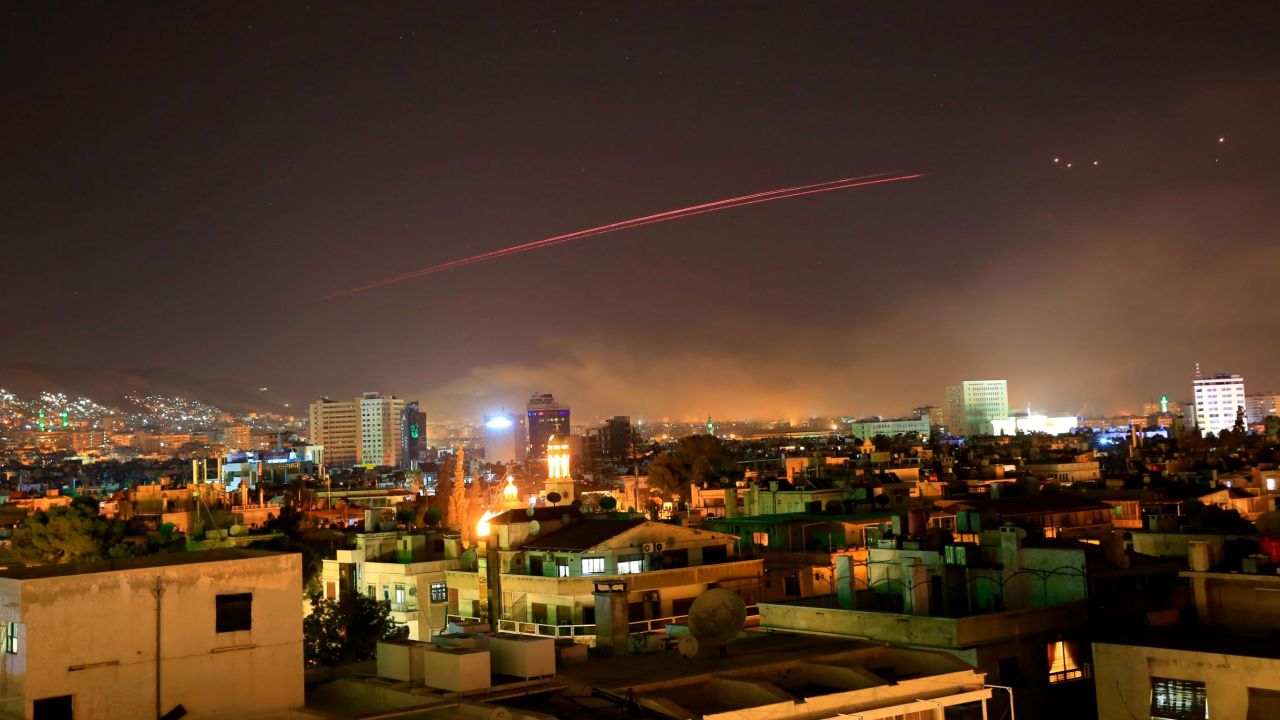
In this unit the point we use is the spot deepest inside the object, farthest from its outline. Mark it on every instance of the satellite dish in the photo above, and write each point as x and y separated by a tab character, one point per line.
535	527
716	617
687	646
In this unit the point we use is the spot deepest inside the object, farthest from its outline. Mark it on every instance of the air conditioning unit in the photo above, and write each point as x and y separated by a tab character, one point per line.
657	547
648	547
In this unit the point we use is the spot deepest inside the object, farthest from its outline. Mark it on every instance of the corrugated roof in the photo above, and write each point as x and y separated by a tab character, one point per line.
583	535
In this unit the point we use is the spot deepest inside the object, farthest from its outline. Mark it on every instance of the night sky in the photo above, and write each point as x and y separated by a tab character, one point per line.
181	182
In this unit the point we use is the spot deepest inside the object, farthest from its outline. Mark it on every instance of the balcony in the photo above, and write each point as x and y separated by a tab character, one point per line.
636	582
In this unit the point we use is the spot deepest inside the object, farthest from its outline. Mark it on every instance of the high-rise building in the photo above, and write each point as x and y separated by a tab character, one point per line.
413	434
364	431
973	405
1217	399
546	417
933	414
616	440
1259	406
333	425
504	438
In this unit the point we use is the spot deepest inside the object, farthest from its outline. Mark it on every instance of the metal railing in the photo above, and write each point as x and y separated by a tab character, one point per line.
546	629
573	631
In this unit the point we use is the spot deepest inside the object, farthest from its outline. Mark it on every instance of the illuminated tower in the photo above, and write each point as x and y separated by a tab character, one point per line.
558	477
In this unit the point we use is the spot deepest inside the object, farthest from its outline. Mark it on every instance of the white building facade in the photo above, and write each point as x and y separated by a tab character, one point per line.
217	632
974	405
366	431
1217	400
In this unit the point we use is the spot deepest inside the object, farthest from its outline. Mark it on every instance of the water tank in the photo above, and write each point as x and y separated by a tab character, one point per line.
1198	555
1271	546
917	521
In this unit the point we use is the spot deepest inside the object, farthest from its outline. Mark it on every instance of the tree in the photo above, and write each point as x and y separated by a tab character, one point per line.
72	533
553	497
696	459
347	630
608	503
1238	428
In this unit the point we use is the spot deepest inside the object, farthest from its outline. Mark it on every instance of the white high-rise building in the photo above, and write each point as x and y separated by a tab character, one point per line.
364	431
504	438
974	406
1217	399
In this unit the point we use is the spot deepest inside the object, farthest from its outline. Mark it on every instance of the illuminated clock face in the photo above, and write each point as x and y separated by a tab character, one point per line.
413	431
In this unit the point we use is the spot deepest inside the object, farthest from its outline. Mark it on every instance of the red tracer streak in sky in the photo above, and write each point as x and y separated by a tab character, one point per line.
718	205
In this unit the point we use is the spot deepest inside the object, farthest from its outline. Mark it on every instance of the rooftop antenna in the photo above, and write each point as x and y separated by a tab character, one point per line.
1197	371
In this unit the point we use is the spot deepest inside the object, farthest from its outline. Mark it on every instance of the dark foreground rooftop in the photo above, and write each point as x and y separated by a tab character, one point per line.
137	563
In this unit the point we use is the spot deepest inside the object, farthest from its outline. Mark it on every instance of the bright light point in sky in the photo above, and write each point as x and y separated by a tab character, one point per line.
1056	159
1222	139
501	422
1068	164
1095	162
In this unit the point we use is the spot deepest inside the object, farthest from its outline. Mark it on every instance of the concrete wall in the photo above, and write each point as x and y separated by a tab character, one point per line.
93	636
937	632
1123	678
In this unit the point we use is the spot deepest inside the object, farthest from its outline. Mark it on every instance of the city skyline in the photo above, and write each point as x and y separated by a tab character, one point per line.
194	177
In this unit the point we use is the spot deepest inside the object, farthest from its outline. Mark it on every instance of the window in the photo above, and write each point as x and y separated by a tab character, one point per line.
593	566
760	539
53	708
628	564
399	594
234	612
386	593
11	638
1178	700
1063	664
562	567
371	591
1263	704
439	592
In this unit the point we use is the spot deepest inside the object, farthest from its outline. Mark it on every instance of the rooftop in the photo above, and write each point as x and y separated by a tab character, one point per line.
583	535
1034	505
1203	641
137	563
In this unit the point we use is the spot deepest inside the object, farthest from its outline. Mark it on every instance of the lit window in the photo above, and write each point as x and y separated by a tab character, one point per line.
439	592
562	568
760	538
1178	700
628	564
11	638
1062	661
593	566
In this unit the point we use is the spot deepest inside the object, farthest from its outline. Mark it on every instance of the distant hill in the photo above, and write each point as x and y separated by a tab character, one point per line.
109	386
